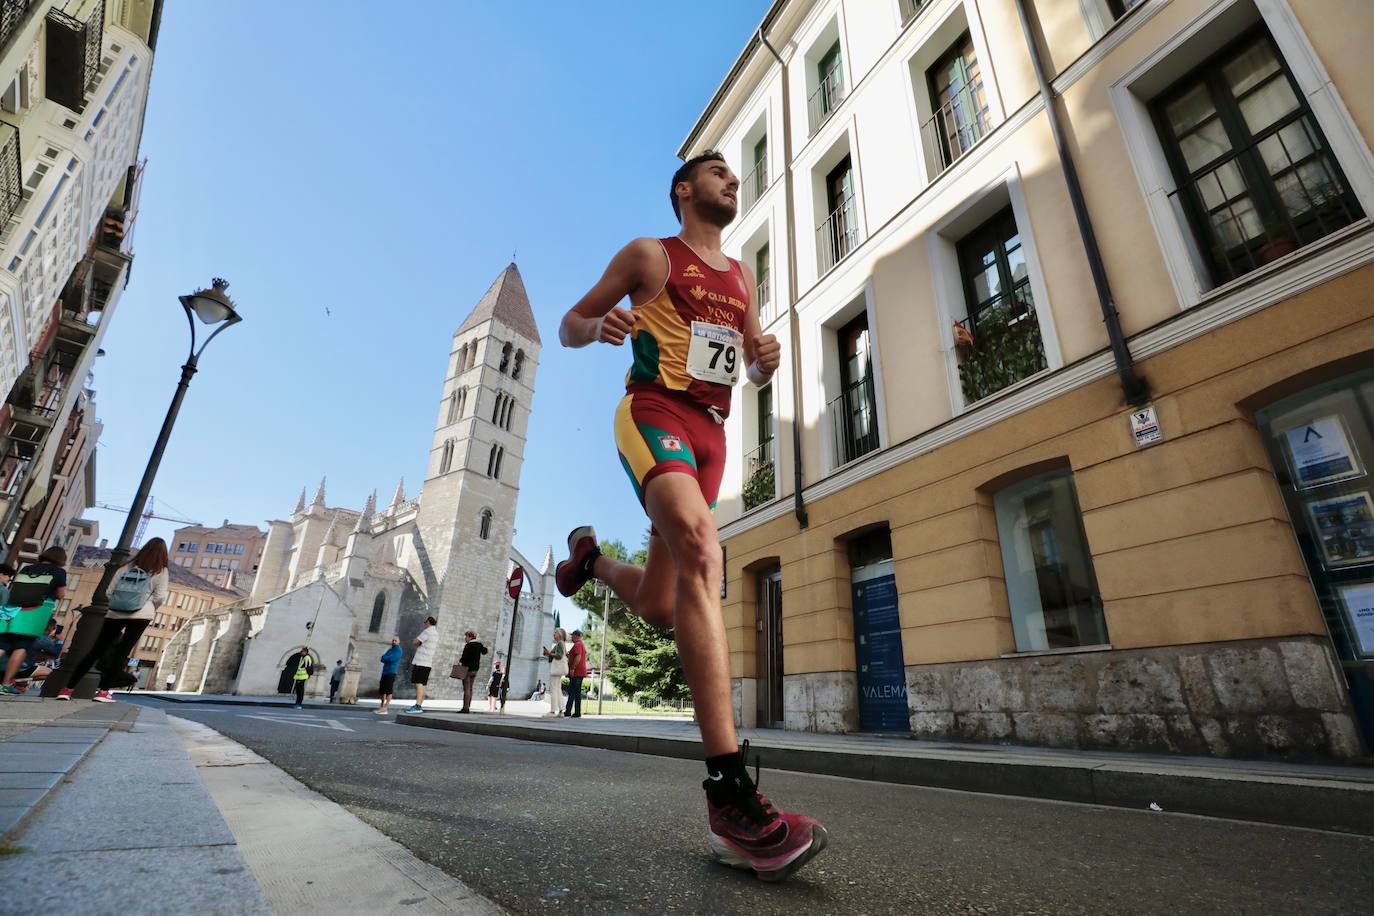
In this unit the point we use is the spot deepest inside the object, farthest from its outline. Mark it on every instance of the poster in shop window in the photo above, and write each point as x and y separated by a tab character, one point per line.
1359	608
1321	453
1344	527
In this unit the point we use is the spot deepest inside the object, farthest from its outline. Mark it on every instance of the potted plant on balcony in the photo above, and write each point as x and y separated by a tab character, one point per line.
1006	350
760	487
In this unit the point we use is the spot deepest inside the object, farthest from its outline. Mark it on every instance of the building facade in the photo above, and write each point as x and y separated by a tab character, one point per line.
188	595
342	582
75	77
1070	445
227	556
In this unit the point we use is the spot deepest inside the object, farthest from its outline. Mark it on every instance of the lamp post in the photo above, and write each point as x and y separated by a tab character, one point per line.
215	309
605	625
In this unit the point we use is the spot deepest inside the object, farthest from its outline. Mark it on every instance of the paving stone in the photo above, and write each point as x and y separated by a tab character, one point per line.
18	797
29	780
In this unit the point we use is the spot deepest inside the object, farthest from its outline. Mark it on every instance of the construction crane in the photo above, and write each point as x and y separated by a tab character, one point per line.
147	516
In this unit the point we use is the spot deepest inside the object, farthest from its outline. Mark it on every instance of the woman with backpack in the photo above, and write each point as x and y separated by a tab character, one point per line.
558	669
33	595
139	588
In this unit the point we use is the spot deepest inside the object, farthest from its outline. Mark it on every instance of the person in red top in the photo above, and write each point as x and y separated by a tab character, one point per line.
694	330
577	670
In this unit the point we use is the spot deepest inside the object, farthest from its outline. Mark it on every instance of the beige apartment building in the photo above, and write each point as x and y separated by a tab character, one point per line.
227	556
187	596
1072	446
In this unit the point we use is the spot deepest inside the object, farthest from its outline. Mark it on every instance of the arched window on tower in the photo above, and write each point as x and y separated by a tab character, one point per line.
500	456
446	457
496	409
505	358
519	364
378	607
491	461
462	358
506	415
462	402
455	405
484	525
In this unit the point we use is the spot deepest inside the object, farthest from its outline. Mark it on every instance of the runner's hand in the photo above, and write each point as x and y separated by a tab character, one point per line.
614	325
767	353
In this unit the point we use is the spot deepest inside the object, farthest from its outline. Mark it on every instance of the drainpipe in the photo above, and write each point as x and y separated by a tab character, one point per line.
793	324
1133	386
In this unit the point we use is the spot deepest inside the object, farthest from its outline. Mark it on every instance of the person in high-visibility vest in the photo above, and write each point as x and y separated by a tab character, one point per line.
304	668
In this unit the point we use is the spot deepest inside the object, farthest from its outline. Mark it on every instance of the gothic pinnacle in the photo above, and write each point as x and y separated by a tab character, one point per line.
319	494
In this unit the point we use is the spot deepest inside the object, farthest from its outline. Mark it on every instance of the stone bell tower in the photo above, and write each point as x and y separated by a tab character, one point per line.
467	507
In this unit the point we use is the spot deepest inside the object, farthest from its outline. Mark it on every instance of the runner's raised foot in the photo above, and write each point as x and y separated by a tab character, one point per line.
576	570
748	832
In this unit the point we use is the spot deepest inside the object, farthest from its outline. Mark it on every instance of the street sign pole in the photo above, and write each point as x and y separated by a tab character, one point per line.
513	586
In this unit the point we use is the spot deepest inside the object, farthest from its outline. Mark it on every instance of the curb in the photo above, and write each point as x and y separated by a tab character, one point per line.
1320	801
36	762
287	704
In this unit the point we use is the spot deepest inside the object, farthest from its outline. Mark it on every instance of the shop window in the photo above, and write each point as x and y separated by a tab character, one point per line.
1051	586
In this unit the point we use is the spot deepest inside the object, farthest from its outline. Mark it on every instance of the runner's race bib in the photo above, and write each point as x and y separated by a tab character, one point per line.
715	353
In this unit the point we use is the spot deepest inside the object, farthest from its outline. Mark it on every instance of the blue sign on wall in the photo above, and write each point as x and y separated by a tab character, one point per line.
878	654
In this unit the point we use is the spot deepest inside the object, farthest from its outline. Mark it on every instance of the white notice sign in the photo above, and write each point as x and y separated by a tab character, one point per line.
1145	426
1359	608
1321	453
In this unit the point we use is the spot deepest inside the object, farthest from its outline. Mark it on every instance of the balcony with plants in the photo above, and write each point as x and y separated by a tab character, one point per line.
999	345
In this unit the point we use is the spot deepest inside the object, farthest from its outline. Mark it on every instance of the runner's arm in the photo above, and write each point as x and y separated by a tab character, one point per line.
596	316
762	352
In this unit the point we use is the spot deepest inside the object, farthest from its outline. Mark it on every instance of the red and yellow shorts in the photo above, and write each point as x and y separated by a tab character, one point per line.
658	433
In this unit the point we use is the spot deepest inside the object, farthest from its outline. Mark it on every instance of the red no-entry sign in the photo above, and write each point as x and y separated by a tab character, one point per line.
516	580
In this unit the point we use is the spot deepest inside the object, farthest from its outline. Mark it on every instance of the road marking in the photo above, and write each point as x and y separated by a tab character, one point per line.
333	724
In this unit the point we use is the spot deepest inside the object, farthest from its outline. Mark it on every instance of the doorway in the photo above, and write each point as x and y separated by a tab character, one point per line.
1321	443
878	660
769	649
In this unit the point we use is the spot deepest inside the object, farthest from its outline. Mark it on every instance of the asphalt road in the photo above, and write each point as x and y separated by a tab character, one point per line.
545	828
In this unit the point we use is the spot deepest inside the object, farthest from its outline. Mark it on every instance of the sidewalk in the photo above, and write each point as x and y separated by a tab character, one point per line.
1303	795
109	815
533	709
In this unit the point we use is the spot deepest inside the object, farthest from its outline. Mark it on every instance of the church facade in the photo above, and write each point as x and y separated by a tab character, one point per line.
341	582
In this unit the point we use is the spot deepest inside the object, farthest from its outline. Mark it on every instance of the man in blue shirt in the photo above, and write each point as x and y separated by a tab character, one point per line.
391	661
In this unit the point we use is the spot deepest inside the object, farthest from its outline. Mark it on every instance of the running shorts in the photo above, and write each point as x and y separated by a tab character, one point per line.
659	433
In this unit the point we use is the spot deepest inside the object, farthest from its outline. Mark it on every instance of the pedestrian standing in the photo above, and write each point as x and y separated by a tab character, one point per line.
33	595
557	654
422	661
171	681
6	576
138	590
472	660
391	660
494	687
335	679
577	670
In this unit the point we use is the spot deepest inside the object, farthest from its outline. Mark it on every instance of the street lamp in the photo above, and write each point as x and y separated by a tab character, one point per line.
214	309
605	591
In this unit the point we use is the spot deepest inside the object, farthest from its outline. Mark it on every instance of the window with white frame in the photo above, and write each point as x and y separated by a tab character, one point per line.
760	464
851	406
825	77
838	231
1241	144
754	156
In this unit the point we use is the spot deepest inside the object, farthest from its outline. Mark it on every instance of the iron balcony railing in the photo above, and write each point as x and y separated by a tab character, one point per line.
911	8
854	418
999	344
957	125
74	52
11	179
836	236
763	295
753	186
827	97
1237	235
12	13
760	476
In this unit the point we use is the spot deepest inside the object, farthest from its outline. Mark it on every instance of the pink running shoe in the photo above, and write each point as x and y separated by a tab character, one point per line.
103	696
576	570
748	832
64	694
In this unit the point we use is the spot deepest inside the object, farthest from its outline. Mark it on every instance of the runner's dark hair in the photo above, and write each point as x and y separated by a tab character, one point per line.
686	172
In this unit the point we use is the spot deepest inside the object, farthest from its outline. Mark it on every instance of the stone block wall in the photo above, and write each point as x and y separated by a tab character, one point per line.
825	701
1264	698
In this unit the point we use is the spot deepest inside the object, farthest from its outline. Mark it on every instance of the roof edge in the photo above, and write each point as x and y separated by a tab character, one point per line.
730	77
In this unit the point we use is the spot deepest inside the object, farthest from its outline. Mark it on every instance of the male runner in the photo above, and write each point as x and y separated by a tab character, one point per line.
692	332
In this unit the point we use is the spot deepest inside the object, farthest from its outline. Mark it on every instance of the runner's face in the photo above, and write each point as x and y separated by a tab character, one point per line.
715	193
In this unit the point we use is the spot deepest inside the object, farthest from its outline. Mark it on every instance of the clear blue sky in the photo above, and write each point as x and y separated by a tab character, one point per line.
384	162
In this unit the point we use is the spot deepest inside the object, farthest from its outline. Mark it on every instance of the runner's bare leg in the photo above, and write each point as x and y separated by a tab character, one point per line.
680	515
648	590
